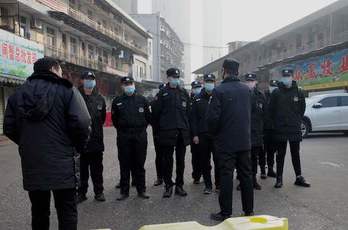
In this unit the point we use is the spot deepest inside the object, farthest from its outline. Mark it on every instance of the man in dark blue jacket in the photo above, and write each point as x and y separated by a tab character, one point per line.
287	108
91	160
172	110
229	121
48	120
201	136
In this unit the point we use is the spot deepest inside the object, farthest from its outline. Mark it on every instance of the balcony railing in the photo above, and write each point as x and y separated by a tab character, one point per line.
66	56
78	15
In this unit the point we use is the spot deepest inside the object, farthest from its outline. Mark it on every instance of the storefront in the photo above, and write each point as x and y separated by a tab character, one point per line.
17	56
324	70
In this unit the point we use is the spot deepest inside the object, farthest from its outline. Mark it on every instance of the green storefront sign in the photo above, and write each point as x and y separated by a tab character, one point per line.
17	55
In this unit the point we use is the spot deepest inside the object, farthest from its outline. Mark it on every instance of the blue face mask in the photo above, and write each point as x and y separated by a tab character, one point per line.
196	91
129	90
209	87
287	81
89	84
174	82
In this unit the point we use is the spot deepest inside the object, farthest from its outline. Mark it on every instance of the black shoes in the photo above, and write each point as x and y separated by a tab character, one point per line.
100	197
300	181
143	195
180	191
123	197
219	216
81	198
248	214
207	191
118	186
158	182
279	183
263	176
271	173
196	181
134	184
168	192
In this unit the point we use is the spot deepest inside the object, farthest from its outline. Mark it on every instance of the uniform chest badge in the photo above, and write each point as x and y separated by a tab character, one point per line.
141	110
296	99
184	104
260	105
165	94
99	107
119	104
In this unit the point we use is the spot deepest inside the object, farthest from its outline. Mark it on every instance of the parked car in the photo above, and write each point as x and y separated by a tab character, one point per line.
326	113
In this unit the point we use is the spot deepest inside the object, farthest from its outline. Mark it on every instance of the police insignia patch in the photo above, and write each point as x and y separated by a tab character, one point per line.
141	110
296	99
118	104
165	94
184	104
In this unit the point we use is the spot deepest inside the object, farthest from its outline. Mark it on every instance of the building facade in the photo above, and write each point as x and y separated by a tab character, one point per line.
83	35
314	46
167	48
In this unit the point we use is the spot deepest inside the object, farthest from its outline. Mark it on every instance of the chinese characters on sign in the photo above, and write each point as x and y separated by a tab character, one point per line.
17	55
330	70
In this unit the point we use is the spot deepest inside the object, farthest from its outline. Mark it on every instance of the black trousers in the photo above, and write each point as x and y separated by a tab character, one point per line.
295	157
132	149
270	148
195	161
159	161
91	162
65	203
206	150
168	151
258	157
227	164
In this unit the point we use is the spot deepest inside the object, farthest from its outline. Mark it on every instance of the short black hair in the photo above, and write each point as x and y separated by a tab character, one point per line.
45	64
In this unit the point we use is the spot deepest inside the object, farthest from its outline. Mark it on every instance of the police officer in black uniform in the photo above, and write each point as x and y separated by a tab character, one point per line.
229	115
172	109
91	159
201	136
268	140
131	116
287	108
196	165
159	156
258	109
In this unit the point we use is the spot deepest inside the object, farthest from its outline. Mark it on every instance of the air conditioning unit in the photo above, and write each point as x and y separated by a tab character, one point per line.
36	24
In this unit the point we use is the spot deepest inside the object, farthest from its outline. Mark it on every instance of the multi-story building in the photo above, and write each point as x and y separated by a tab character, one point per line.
167	48
315	46
83	35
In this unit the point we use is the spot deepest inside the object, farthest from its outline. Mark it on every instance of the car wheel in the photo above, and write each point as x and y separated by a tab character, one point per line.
305	128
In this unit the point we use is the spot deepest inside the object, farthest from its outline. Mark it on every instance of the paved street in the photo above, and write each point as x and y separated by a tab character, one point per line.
323	206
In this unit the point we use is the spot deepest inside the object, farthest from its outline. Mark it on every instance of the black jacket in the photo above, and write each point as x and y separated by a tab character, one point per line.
268	124
258	112
130	112
287	108
198	116
228	116
97	110
48	119
172	110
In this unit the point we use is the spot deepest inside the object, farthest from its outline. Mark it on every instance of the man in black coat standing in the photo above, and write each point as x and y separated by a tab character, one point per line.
201	136
287	108
268	138
172	110
228	118
48	120
258	109
91	159
131	116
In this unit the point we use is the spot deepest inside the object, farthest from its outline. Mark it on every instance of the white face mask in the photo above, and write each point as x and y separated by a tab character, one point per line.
251	84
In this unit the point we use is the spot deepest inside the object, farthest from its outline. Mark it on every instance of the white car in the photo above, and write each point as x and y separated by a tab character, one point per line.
326	113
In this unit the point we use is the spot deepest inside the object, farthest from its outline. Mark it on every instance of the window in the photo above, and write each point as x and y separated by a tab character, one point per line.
105	57
51	37
344	101
329	102
73	46
90	52
23	27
